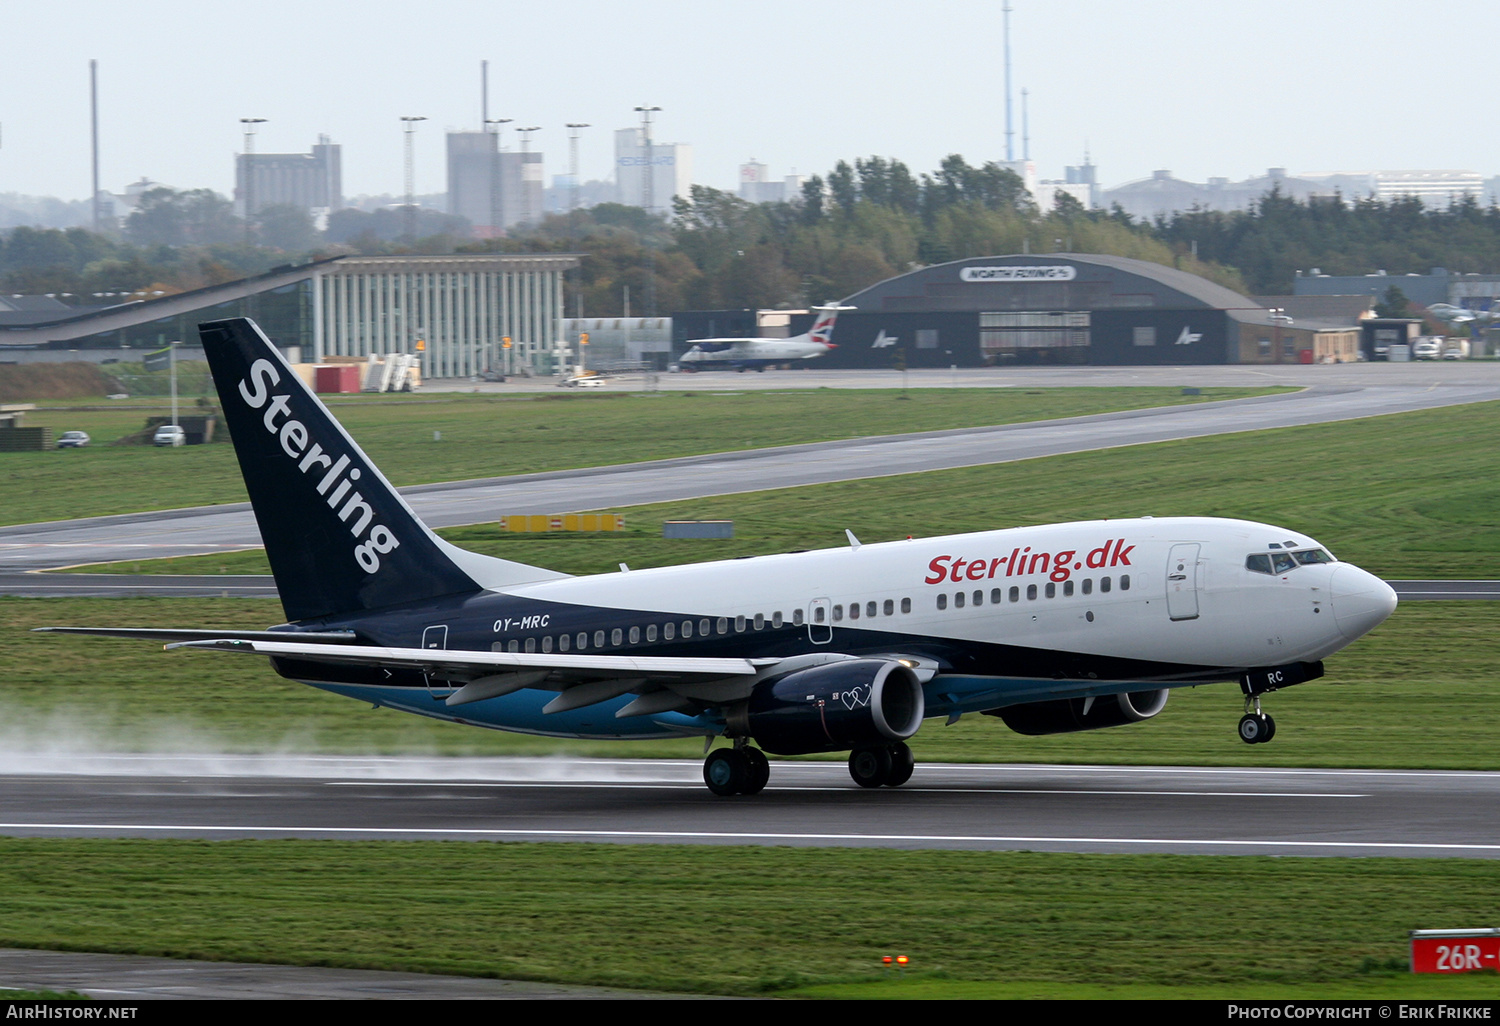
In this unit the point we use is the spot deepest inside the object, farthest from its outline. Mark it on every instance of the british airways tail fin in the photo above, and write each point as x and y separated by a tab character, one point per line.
822	329
339	538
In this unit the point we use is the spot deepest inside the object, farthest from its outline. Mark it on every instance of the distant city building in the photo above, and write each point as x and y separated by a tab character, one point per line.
1161	195
1436	189
757	185
671	171
493	188
558	198
309	181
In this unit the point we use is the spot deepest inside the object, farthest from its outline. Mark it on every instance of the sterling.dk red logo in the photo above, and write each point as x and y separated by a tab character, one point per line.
1058	566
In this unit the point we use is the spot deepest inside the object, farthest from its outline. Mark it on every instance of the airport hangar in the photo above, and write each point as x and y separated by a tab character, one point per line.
1066	308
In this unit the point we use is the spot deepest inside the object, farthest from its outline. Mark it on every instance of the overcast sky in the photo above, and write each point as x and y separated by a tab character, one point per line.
1202	87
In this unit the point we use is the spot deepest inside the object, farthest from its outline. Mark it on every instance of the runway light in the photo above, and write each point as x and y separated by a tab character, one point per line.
887	959
902	960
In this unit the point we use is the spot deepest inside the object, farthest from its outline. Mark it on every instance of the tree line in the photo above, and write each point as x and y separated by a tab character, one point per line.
859	224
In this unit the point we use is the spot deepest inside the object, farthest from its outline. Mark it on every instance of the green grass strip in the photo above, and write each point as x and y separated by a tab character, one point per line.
741	920
491	436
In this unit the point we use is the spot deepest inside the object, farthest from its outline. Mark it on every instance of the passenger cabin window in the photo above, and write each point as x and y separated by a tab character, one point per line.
598	639
703	628
531	644
890	608
650	632
1088	585
616	637
1030	591
583	640
760	621
996	594
1104	584
635	635
1015	594
1067	588
942	601
739	624
838	613
687	629
906	605
818	615
958	600
870	608
1124	582
1051	590
979	598
723	625
669	631
563	642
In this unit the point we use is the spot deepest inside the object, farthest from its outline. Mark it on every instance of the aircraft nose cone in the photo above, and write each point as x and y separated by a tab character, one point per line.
1361	601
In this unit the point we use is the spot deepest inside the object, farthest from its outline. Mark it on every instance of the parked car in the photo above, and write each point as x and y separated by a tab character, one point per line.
169	434
73	440
1427	349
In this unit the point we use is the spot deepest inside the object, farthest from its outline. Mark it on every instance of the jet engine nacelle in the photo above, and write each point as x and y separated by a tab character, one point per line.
1067	715
833	707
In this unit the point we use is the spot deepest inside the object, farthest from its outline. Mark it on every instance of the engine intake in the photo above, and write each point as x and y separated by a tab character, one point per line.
1067	715
833	707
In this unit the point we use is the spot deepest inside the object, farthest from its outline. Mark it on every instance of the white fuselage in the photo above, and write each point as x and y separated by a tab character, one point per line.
1117	591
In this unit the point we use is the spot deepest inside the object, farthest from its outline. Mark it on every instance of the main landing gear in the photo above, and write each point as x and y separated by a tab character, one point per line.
737	770
1256	728
884	766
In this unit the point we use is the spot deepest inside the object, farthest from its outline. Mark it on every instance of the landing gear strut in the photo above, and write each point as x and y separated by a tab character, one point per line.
737	770
884	766
1256	728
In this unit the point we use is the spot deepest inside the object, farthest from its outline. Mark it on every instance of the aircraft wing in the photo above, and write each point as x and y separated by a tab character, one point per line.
187	634
582	679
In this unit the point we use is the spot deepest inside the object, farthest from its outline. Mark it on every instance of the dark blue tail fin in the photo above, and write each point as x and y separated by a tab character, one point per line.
338	536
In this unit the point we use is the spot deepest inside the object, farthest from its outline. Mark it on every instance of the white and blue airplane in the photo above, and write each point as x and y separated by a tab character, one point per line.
743	354
1052	628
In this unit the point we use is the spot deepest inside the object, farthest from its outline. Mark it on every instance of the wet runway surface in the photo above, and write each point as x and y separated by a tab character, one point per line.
984	807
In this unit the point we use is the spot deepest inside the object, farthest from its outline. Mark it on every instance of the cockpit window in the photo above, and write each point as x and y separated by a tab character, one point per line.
1259	562
1281	562
1309	557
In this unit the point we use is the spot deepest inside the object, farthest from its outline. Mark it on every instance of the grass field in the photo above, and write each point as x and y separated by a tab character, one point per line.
778	921
486	436
1392	494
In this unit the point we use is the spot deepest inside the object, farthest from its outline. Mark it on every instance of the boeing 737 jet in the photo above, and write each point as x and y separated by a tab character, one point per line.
1052	628
741	354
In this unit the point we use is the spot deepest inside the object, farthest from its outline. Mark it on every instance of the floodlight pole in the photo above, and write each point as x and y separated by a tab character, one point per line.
573	127
249	158
410	128
497	193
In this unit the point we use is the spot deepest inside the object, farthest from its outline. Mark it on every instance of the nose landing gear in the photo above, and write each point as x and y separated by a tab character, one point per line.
1256	728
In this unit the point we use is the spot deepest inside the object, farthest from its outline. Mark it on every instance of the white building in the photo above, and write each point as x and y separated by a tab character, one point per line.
757	185
671	171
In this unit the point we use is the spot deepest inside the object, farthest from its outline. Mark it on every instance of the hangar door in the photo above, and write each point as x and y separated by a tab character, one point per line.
1023	335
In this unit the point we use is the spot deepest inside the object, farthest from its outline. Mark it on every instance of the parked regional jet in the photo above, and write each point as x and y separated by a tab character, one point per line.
743	353
1052	629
